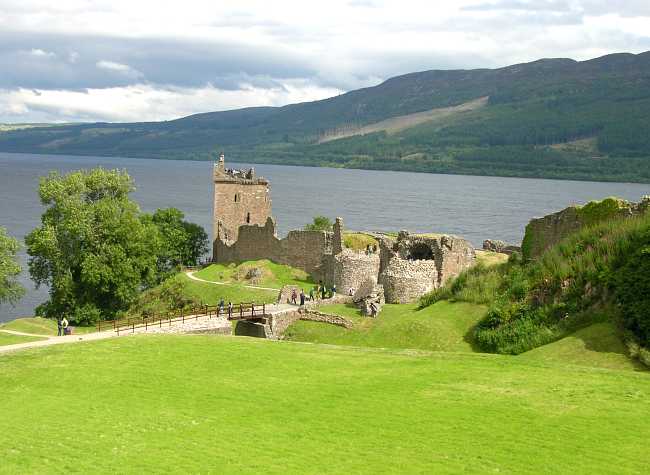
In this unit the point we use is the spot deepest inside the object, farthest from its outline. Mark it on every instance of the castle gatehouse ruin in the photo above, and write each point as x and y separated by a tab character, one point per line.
406	266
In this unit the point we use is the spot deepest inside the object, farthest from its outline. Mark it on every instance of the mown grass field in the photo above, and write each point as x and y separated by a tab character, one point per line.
444	326
201	404
9	339
273	275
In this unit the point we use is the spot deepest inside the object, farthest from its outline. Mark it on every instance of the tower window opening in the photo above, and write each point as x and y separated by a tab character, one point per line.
236	198
248	218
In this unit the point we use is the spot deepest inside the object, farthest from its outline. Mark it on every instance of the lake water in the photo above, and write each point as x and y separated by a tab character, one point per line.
475	207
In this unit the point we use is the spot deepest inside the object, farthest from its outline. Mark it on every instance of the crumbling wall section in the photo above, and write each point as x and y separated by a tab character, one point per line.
349	269
301	249
543	233
405	281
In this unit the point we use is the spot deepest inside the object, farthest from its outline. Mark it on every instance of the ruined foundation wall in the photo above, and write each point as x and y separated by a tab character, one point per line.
300	249
405	281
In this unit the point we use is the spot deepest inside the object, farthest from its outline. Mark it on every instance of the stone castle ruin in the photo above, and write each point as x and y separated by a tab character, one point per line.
403	269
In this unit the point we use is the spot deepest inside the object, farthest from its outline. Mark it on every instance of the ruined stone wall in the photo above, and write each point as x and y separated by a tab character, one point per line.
453	256
413	265
405	281
543	233
300	249
350	268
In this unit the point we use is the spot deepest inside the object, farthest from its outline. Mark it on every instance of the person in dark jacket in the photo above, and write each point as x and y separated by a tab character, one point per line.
302	297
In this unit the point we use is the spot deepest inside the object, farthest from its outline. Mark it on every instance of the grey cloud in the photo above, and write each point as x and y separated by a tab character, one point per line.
522	5
156	61
625	8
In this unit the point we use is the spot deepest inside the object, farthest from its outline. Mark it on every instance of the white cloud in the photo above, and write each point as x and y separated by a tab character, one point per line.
256	52
41	53
142	102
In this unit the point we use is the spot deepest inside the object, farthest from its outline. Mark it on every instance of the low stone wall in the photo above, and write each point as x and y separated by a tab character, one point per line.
280	323
315	316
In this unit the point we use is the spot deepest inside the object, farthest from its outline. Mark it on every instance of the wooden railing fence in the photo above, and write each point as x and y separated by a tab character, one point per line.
241	311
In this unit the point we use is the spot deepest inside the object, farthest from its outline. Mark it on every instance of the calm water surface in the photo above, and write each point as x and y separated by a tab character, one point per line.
471	206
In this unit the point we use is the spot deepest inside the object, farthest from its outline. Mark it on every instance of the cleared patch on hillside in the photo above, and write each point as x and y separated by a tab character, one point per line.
585	145
398	123
598	345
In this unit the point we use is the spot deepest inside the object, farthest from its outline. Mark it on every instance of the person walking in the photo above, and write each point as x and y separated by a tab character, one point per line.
229	309
64	324
294	296
311	294
334	291
59	325
323	292
221	304
302	297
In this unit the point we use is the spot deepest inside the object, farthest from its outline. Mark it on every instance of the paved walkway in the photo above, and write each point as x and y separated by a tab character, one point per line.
191	325
54	340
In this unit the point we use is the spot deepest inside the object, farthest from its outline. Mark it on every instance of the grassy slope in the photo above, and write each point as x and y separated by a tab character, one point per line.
275	275
169	404
440	327
9	339
39	326
598	345
490	258
211	293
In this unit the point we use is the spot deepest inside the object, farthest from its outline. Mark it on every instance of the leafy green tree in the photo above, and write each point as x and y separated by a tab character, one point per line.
320	223
10	288
93	249
183	243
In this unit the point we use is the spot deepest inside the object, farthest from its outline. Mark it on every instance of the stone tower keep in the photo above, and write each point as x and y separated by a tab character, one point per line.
239	198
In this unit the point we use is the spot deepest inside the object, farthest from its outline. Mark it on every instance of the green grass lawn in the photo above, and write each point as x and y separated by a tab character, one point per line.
9	339
40	326
599	345
205	404
274	275
444	326
490	258
211	294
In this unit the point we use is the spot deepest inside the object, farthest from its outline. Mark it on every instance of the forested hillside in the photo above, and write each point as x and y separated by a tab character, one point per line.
555	118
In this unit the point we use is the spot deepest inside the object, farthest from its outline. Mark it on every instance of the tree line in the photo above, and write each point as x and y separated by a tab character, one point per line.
95	249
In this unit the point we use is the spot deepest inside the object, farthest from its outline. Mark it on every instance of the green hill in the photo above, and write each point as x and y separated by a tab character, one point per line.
555	118
208	404
599	273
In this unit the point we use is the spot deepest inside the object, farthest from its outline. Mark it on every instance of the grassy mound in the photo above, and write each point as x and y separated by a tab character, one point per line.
262	273
358	241
441	327
9	339
39	326
598	345
159	404
600	273
182	292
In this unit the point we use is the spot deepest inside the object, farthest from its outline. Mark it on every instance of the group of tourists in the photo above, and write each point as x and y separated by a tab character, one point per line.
318	292
63	326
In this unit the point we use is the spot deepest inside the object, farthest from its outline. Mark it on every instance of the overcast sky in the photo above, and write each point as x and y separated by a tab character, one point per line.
136	60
